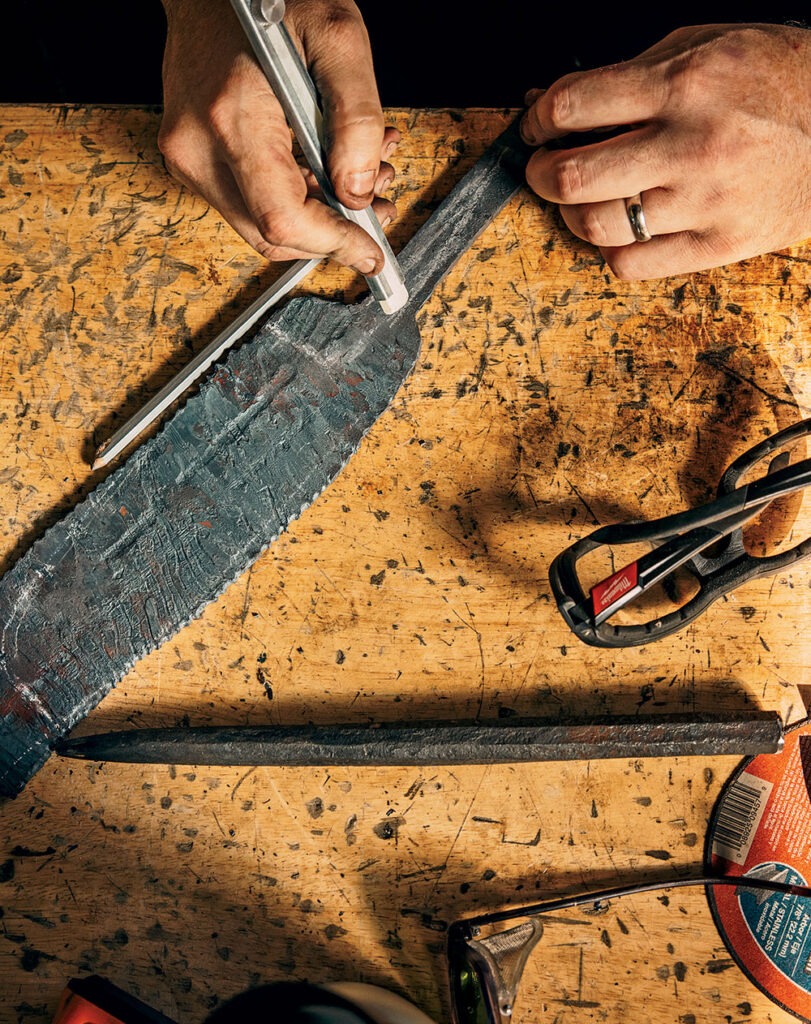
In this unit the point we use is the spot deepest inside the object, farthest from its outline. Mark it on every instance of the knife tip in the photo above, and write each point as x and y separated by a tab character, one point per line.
77	748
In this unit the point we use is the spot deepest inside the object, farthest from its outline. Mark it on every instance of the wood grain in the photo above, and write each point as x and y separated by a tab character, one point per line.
548	397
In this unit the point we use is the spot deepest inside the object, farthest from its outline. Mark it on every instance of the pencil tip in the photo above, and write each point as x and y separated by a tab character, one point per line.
101	458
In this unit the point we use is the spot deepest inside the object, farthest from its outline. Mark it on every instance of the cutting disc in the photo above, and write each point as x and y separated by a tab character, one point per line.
761	826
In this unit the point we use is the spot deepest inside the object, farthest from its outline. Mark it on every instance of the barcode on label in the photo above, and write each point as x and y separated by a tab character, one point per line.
738	817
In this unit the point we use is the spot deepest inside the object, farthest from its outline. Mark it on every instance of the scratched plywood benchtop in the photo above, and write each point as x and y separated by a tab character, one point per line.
548	397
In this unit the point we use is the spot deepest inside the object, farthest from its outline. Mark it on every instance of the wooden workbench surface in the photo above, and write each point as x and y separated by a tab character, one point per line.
548	397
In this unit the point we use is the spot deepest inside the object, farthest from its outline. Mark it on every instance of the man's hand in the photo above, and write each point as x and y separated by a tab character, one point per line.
224	134
717	142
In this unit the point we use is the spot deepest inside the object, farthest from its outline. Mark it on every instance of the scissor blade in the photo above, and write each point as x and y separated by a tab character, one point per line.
623	586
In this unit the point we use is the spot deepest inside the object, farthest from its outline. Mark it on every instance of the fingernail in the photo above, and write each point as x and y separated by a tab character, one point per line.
365	266
389	149
385	222
360	183
384	185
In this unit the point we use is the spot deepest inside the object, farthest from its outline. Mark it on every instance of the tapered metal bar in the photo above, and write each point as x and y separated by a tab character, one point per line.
205	358
502	741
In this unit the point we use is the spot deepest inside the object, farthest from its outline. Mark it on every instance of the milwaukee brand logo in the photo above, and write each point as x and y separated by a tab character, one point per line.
610	590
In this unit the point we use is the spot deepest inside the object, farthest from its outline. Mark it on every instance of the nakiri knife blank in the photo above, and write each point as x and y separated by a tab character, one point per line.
194	506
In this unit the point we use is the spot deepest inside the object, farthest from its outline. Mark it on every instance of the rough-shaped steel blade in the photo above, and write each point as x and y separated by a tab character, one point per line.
193	507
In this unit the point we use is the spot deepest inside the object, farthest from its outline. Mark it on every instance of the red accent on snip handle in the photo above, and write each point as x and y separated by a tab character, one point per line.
94	1000
75	1009
610	590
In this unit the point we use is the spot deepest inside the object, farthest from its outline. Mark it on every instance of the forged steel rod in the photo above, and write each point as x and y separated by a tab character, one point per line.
500	741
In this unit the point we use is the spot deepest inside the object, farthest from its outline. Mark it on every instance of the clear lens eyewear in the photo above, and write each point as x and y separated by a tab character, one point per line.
615	955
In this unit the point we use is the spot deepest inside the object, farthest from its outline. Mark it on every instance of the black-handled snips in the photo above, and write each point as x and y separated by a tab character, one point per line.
685	538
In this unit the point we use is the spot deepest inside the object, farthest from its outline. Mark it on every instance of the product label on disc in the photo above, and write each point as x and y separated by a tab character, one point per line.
762	827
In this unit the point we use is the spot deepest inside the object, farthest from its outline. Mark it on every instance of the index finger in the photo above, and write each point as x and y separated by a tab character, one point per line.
253	140
286	216
621	94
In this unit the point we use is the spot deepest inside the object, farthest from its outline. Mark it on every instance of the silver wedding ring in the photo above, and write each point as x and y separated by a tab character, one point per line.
636	216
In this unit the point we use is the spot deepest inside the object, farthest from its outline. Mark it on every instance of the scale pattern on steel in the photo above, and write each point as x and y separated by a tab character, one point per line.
187	514
499	741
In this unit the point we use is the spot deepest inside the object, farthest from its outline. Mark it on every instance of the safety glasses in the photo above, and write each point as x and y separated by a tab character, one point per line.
487	962
632	583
